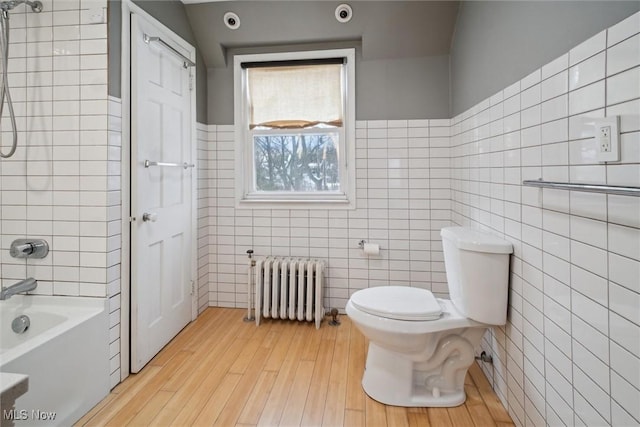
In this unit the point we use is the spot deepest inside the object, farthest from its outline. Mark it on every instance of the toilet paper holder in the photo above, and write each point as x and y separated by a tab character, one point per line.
368	248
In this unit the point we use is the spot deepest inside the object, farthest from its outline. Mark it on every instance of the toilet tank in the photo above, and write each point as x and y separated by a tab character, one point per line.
477	266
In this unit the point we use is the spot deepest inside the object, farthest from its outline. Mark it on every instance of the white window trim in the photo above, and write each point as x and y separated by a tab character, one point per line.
346	199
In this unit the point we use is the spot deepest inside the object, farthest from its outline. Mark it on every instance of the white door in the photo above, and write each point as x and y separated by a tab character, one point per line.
161	195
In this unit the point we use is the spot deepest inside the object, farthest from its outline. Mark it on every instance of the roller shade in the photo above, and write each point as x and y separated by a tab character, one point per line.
292	97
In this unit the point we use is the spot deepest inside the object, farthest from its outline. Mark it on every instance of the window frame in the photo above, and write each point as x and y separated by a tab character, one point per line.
244	158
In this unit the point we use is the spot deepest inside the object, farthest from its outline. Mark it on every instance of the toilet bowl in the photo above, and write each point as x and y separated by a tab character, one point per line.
420	346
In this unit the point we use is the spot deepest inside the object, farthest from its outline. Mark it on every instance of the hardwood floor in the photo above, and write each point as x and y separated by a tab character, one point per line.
222	371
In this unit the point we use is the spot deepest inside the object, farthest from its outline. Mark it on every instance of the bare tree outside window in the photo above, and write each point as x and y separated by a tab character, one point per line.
296	162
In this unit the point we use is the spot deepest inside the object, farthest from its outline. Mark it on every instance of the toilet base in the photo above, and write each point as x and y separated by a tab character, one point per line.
419	398
395	379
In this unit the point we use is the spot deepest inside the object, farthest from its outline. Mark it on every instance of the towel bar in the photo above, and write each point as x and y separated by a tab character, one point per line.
591	188
149	163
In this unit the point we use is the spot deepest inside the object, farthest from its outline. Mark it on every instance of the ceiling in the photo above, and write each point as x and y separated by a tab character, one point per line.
385	29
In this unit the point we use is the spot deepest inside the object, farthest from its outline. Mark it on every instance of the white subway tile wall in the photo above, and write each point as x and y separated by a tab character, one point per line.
205	169
569	352
63	184
68	191
403	200
114	239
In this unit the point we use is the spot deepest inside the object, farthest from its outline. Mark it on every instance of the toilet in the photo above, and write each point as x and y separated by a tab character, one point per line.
420	346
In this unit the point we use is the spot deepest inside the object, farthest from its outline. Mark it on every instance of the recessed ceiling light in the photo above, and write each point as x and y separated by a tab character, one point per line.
344	13
232	20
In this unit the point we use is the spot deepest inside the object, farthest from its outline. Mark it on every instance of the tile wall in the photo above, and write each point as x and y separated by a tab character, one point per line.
205	195
569	353
403	199
68	191
113	218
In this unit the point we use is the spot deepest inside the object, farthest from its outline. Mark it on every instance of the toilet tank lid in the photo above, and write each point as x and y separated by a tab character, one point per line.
476	240
398	303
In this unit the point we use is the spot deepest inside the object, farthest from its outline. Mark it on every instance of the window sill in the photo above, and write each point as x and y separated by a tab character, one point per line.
274	203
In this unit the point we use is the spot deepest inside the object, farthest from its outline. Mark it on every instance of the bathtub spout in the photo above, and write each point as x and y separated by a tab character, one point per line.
25	285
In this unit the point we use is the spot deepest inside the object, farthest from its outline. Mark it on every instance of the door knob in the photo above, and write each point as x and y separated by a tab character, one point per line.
153	217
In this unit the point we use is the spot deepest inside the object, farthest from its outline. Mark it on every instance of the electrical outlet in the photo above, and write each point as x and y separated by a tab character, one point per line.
607	139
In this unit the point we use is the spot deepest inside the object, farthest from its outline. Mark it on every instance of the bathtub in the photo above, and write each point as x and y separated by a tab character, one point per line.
65	353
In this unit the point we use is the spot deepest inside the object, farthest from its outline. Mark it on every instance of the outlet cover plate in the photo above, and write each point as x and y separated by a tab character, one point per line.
613	155
97	15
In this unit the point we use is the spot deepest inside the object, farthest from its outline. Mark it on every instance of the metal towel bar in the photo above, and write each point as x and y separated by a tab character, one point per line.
187	62
185	165
591	188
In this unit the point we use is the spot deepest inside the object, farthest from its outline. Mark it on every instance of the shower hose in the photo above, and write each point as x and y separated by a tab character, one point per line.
4	85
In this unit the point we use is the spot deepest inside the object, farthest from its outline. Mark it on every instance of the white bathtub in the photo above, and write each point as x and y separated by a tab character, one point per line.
65	353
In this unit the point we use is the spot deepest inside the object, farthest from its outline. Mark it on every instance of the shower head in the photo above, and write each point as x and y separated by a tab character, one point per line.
36	5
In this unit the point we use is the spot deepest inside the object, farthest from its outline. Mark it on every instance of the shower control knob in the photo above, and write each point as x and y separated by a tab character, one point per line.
153	217
29	248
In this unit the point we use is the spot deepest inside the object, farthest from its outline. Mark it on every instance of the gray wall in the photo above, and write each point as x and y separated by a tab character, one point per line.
172	14
497	43
402	68
405	88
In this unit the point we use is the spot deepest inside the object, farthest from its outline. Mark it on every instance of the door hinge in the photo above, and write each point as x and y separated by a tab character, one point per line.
193	287
190	81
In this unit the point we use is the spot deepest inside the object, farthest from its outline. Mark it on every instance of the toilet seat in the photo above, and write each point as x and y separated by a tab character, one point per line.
398	303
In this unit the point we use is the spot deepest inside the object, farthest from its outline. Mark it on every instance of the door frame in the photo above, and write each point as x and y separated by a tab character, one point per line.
128	8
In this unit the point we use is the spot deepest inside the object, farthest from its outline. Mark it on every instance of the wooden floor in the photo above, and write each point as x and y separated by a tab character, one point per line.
222	371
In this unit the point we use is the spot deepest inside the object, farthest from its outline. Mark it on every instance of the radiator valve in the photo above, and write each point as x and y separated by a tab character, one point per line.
334	317
252	263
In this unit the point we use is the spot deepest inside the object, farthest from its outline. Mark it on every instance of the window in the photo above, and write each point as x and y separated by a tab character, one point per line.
295	136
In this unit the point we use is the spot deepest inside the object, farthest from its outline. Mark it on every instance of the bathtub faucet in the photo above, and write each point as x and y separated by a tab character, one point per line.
25	285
